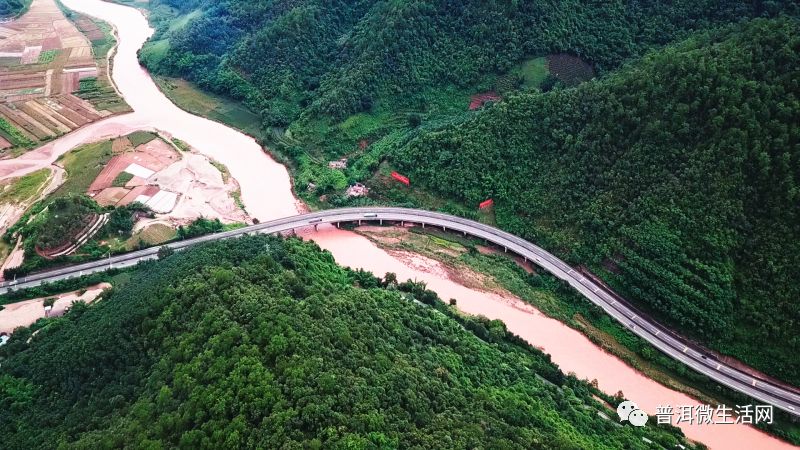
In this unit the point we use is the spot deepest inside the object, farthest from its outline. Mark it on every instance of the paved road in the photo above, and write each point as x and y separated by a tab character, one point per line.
656	334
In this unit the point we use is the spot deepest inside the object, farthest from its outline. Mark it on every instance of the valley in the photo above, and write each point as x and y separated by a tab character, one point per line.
251	187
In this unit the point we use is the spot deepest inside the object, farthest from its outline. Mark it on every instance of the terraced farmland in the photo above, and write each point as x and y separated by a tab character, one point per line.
53	76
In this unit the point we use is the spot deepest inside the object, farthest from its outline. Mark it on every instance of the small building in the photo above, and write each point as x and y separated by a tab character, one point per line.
4	338
357	190
340	164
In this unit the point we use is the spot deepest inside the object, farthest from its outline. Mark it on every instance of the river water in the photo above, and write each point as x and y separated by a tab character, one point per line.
266	193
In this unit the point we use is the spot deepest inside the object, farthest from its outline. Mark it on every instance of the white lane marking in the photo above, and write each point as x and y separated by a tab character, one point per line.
754	382
595	290
718	366
570	271
658	332
685	348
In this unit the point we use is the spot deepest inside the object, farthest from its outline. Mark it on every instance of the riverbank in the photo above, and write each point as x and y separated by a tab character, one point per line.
469	262
569	349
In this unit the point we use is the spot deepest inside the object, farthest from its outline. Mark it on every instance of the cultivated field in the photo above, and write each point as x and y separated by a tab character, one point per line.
571	70
53	76
179	186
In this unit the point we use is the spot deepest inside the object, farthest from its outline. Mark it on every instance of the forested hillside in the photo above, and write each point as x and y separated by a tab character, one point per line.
336	58
674	178
677	179
266	343
13	7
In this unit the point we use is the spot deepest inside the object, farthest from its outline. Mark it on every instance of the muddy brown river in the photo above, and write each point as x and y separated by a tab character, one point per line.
266	193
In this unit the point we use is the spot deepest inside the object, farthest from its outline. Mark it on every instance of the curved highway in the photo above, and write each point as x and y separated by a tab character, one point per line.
654	333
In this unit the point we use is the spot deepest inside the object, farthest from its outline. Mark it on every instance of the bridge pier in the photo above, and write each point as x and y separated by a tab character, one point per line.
381	222
423	225
337	224
316	225
359	222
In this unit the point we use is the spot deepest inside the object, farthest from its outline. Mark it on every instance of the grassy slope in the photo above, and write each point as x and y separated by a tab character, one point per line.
189	97
83	165
24	188
151	235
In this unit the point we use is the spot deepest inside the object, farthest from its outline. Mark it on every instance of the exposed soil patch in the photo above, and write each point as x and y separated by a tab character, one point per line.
25	313
478	100
4	144
10	212
178	186
396	241
405	238
204	193
14	259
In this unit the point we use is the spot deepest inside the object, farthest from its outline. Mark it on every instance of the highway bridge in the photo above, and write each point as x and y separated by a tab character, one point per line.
659	336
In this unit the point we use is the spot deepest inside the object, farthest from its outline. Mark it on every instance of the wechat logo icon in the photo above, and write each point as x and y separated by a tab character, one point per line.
630	411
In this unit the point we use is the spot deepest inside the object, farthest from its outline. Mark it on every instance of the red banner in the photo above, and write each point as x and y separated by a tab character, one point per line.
486	203
401	178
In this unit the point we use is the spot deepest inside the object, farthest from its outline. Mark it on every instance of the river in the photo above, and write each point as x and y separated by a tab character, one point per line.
266	193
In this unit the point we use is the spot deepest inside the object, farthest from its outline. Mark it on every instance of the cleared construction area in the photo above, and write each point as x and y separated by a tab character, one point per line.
140	164
178	186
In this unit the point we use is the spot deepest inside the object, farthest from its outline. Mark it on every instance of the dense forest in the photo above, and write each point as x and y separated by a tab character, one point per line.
673	175
677	178
262	342
13	7
336	58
